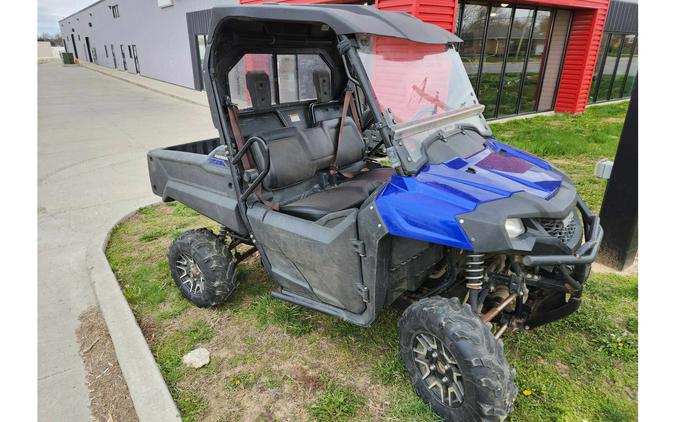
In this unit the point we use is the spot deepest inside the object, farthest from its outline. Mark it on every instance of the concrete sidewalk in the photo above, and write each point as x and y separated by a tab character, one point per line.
164	88
93	135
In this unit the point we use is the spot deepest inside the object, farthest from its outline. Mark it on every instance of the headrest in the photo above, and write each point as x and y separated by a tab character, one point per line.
324	92
258	85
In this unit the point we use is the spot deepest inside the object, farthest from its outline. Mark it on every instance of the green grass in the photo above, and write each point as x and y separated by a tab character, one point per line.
268	311
581	368
336	403
603	91
169	353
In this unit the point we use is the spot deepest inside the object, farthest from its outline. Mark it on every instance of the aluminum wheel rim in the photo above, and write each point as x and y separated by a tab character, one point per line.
190	275
439	369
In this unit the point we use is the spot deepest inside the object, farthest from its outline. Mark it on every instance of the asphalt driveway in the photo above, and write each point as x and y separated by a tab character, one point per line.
93	134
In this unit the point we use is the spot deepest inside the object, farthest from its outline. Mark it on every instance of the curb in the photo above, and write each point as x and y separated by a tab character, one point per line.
149	393
155	90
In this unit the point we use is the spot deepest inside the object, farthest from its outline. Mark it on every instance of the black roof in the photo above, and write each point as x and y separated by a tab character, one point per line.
343	19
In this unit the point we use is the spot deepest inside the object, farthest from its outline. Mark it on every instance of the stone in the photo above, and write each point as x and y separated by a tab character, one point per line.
197	358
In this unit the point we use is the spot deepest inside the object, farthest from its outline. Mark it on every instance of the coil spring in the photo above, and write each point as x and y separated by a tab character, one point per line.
475	271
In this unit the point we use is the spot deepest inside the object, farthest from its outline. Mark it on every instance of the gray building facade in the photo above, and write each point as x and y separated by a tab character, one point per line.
159	39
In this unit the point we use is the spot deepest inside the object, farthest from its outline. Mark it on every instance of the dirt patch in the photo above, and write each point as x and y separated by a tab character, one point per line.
108	392
631	270
613	120
271	375
562	368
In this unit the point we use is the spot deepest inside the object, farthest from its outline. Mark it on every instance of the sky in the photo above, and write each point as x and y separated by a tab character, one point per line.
51	11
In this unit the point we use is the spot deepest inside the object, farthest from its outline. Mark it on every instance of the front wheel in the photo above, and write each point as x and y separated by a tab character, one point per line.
454	362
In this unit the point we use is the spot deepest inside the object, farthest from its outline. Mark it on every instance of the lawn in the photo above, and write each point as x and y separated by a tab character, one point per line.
573	143
274	361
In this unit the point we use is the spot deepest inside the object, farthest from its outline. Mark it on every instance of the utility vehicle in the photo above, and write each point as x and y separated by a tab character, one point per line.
476	237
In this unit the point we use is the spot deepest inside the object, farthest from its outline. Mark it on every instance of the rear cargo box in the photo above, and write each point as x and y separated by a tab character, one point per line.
197	175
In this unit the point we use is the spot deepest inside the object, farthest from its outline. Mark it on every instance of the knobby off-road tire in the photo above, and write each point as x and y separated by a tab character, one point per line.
462	344
202	268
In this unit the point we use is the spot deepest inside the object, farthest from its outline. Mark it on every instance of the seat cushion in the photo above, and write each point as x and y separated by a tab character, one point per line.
315	206
290	162
380	174
371	179
352	148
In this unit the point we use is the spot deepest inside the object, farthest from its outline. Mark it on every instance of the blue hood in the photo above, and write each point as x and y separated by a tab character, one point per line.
426	206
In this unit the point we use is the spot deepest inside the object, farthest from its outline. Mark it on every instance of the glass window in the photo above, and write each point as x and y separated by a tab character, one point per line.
520	36
598	65
293	75
613	52
495	49
307	64
201	45
237	77
535	65
622	67
296	76
632	73
288	78
472	28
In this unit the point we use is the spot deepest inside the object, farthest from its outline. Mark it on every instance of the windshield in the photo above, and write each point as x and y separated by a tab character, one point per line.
415	80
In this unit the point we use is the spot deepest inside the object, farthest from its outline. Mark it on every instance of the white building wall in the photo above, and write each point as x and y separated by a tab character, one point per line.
44	50
160	35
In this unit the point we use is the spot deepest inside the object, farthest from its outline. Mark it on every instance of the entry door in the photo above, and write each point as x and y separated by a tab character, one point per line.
86	41
124	59
138	68
552	65
72	38
131	57
112	50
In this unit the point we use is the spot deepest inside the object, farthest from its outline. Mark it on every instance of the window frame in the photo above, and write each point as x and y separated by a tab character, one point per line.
497	113
600	65
628	67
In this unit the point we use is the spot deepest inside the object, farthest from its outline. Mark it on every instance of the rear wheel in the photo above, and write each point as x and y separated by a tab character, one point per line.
202	268
454	362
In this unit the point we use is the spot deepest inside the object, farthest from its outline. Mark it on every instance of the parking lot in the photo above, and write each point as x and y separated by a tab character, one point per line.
93	134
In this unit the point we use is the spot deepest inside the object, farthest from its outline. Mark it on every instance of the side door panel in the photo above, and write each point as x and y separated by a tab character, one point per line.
315	259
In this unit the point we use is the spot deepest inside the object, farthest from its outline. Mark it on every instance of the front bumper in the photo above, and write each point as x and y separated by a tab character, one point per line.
585	253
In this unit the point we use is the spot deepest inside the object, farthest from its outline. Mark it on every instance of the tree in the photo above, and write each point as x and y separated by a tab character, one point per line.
54	39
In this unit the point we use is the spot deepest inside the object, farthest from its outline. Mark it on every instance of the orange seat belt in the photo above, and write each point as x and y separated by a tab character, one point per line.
347	105
233	113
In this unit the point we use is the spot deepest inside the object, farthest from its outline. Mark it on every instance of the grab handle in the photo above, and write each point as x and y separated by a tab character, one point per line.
266	163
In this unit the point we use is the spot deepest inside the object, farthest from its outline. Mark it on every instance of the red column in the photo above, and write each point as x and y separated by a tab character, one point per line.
582	53
439	12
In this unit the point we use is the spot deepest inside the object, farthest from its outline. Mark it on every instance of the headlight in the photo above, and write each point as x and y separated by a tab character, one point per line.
514	227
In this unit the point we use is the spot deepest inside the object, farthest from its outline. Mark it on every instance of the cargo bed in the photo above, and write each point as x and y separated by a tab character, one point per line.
197	175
